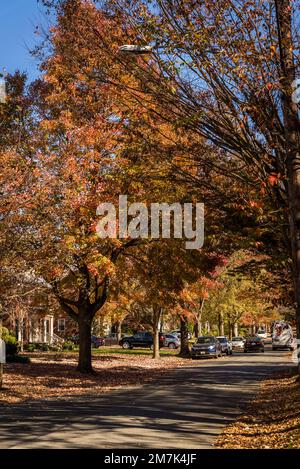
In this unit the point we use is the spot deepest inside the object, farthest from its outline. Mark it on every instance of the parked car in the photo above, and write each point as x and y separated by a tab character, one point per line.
282	336
178	333
111	339
225	345
96	342
254	344
206	346
237	343
172	341
142	340
262	334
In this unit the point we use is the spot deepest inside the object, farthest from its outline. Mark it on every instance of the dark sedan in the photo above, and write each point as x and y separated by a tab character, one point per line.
254	344
141	340
207	346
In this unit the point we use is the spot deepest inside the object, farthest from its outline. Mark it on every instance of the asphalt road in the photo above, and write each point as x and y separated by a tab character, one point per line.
187	408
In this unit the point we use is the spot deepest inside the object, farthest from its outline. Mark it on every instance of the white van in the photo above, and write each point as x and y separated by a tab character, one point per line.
282	336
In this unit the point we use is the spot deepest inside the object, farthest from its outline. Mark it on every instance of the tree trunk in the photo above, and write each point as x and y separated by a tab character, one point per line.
231	329
21	341
184	346
85	345
221	324
157	312
198	324
236	329
292	139
119	330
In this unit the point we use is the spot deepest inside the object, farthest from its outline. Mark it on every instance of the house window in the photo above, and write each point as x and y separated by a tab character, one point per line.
61	325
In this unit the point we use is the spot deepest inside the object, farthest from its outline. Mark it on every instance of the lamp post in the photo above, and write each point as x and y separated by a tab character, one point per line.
133	49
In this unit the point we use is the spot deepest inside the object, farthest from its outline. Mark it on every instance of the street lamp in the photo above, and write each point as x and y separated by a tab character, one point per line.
135	50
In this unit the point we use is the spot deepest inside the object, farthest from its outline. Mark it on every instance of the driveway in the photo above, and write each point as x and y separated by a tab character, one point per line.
187	408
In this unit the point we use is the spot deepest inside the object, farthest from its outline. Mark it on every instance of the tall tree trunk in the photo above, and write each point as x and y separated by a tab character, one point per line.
292	139
157	312
198	323
184	332
221	324
231	329
119	330
21	341
85	345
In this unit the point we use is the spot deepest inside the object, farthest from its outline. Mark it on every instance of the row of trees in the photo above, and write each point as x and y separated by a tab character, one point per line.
195	122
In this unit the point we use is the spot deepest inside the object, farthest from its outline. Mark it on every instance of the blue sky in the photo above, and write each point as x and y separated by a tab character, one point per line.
18	19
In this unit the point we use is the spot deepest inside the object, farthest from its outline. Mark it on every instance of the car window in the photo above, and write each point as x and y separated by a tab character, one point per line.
206	340
222	339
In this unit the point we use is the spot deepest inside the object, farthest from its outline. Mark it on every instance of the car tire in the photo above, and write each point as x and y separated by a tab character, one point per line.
172	345
245	351
263	350
151	347
126	345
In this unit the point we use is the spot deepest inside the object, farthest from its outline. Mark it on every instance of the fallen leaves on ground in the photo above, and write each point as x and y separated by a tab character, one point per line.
272	420
54	375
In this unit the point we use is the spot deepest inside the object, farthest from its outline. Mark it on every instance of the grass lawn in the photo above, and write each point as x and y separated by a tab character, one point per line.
136	351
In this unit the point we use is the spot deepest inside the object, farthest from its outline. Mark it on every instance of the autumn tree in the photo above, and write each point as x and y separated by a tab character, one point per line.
226	71
74	157
16	166
245	292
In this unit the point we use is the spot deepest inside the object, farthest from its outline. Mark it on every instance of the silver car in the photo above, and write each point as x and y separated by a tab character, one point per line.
225	344
171	341
238	343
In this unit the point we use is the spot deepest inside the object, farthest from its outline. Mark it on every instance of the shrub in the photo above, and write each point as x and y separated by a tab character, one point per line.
69	345
11	345
30	347
55	348
44	347
18	359
4	332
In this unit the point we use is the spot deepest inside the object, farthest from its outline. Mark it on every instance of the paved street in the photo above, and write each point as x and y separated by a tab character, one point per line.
188	408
